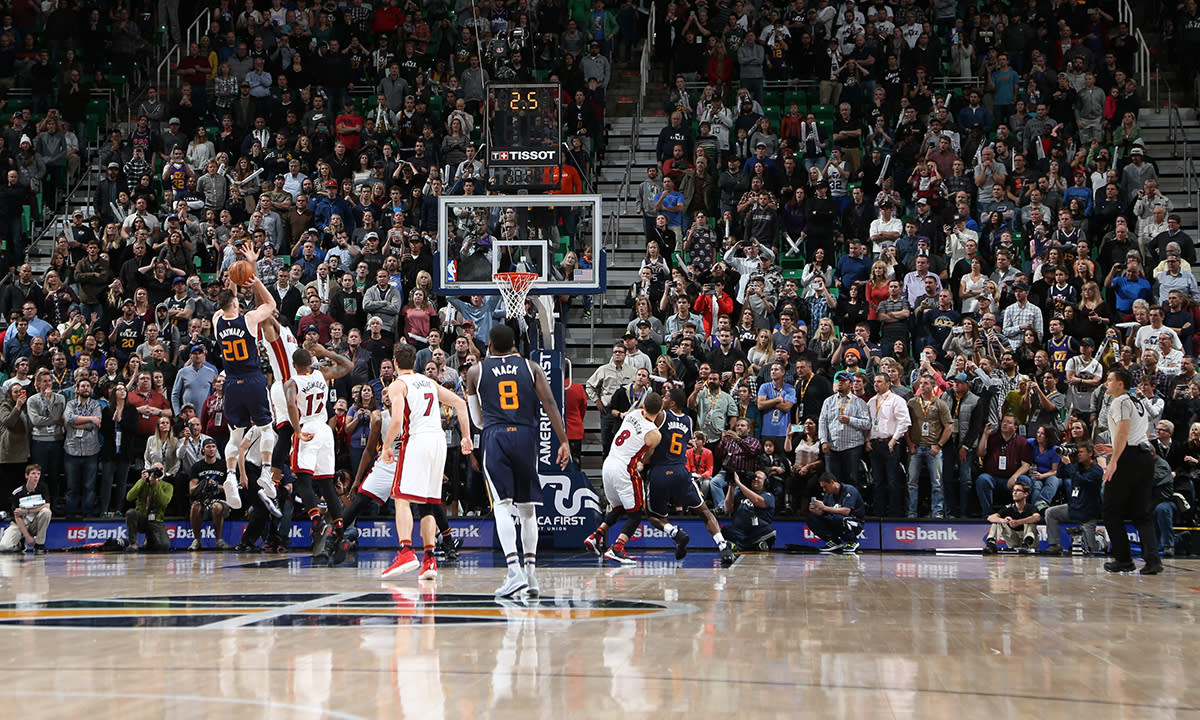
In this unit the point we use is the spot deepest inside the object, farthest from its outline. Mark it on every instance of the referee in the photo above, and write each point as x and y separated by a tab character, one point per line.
1129	486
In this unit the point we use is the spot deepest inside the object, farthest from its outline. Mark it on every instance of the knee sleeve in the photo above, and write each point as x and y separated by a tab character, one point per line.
426	510
632	520
266	439
235	439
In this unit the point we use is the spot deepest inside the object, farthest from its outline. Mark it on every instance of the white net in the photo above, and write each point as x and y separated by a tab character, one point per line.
514	286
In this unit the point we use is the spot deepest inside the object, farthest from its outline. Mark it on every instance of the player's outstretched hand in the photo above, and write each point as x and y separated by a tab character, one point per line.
466	446
564	455
246	252
387	456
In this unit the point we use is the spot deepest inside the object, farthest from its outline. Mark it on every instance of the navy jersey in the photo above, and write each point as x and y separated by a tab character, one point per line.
506	392
676	436
239	347
129	335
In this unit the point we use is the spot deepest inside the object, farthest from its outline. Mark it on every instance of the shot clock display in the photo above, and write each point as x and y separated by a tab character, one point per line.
523	126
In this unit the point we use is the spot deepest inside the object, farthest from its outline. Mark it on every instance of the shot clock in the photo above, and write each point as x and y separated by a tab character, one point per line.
523	126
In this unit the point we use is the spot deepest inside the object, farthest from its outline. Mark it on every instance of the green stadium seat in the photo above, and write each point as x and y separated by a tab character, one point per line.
206	278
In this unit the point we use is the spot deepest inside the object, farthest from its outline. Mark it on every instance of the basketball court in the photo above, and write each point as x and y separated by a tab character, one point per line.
874	636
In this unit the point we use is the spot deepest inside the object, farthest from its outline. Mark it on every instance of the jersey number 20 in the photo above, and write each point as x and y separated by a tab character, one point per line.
234	350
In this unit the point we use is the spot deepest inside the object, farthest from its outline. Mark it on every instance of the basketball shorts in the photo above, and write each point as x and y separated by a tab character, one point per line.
377	485
510	464
315	456
623	486
246	401
420	464
669	486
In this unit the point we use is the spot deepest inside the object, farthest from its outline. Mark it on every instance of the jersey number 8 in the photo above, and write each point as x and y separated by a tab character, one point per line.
508	394
620	440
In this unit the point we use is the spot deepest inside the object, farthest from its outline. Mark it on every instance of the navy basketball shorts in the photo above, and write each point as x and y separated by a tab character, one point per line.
669	486
510	464
246	401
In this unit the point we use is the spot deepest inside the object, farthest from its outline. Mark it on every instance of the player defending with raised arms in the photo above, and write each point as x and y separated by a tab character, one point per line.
246	403
419	457
307	393
505	392
670	483
637	437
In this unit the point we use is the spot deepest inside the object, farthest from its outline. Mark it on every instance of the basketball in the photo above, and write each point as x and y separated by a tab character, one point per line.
241	272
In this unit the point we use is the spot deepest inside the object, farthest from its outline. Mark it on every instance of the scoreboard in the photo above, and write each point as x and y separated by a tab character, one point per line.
523	129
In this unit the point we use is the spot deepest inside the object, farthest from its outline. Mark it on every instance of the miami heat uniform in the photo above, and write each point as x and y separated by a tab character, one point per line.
622	481
279	355
377	485
421	449
313	457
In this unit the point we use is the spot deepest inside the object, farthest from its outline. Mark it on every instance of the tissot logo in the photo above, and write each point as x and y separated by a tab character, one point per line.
523	155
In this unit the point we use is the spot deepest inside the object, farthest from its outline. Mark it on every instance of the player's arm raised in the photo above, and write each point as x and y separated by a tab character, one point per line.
341	367
264	303
546	395
398	392
290	391
446	397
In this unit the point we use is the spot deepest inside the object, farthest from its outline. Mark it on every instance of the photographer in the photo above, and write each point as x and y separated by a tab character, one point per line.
207	497
753	511
1082	477
151	496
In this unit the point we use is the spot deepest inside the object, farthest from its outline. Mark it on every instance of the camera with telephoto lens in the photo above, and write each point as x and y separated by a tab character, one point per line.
1068	449
154	473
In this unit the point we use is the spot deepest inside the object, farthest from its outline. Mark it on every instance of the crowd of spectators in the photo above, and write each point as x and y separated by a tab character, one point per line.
321	134
903	244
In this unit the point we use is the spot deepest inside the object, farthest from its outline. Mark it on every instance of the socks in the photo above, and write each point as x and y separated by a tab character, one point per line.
719	539
428	551
506	531
529	528
405	545
670	530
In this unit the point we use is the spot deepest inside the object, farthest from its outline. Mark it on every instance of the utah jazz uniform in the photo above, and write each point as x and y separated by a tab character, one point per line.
177	176
670	483
509	439
245	384
130	334
1060	353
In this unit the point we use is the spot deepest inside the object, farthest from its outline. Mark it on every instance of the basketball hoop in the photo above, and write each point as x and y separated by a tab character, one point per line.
514	286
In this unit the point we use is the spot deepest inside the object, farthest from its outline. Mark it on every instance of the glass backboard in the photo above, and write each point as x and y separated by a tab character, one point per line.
482	235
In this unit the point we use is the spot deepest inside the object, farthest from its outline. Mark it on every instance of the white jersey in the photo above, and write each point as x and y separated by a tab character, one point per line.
312	392
279	353
630	441
422	411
